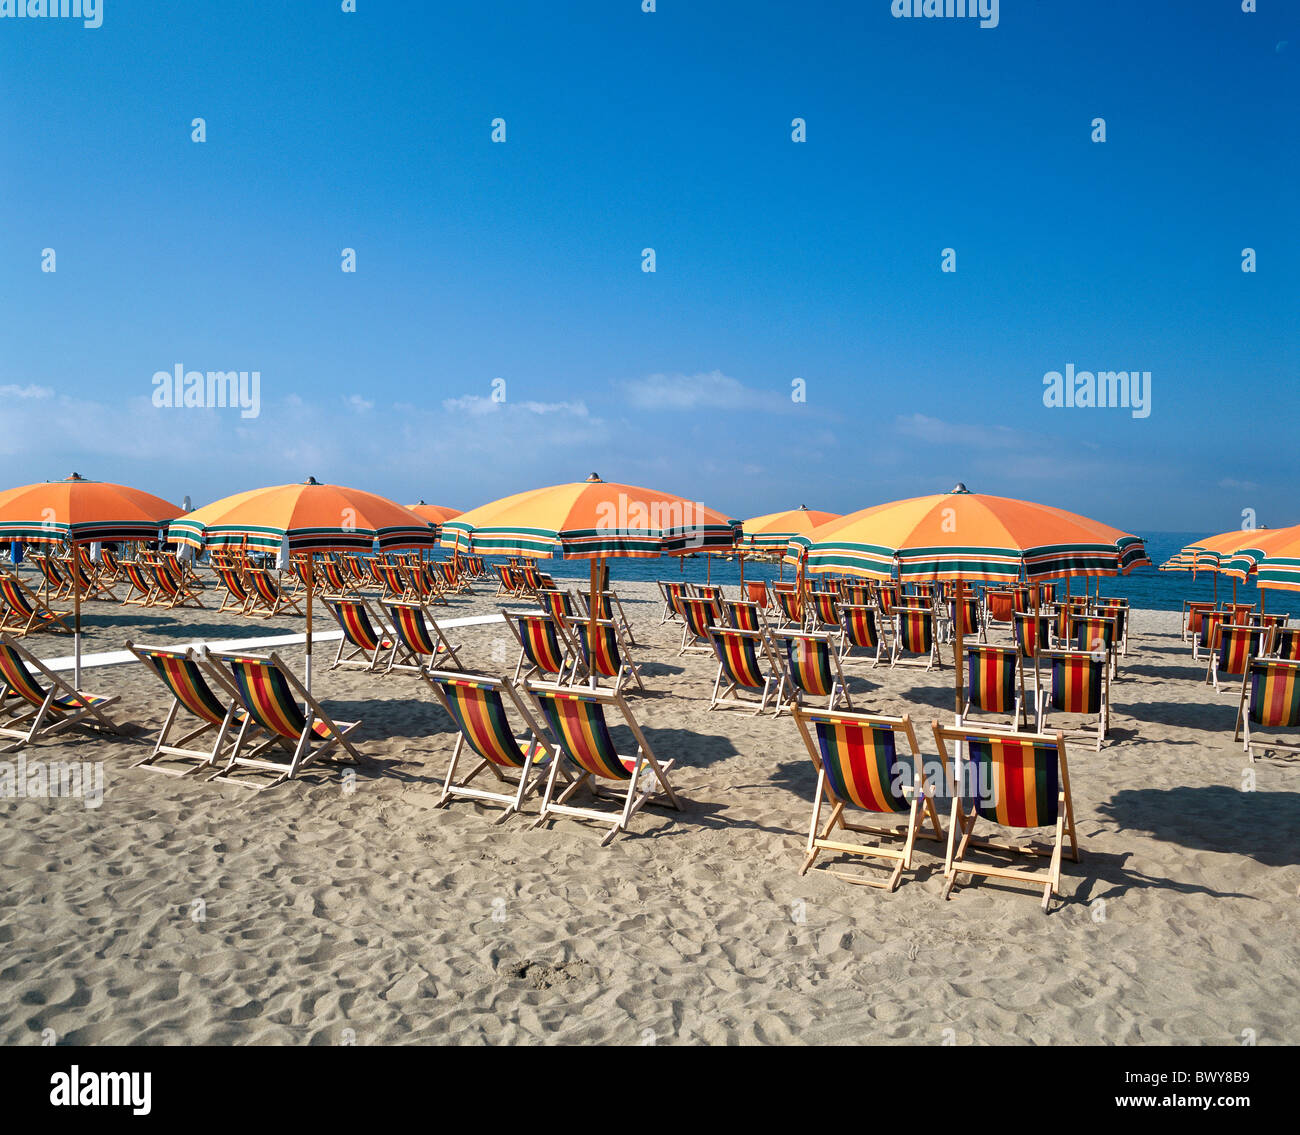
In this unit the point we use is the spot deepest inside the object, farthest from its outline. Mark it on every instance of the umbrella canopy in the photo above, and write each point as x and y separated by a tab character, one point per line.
434	514
969	536
590	520
1211	553
774	531
79	511
313	517
1272	554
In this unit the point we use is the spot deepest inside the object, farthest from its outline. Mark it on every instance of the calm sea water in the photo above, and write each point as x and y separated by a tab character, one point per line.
1144	587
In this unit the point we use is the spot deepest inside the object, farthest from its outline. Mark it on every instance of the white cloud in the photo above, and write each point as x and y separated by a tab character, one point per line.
29	391
359	404
713	390
935	431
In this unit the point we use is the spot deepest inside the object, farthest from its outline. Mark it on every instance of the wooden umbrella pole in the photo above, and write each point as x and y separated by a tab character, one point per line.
959	617
311	575
592	604
76	618
1033	588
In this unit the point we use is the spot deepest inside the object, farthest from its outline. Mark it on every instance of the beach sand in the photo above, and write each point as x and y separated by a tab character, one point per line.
181	912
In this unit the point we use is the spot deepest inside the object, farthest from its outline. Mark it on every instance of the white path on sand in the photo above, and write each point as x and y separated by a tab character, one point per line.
118	657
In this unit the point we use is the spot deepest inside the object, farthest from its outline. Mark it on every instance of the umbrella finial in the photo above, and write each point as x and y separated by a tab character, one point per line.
420	501
311	481
960	487
594	479
76	477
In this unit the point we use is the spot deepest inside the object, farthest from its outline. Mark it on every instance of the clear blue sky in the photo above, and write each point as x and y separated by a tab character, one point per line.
775	260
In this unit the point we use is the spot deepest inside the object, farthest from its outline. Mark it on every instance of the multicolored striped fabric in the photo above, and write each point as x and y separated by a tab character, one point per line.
791	605
541	642
862	765
1210	621
557	604
1237	646
604	608
855	592
15	597
971	615
1032	635
268	698
826	606
743	615
1195	612
267	588
1093	633
354	621
1286	643
1275	694
809	662
600	648
19	680
480	714
916	631
408	622
1019	781
184	678
991	678
738	655
859	623
1077	683
676	593
887	598
699	615
135	574
333	575
578	723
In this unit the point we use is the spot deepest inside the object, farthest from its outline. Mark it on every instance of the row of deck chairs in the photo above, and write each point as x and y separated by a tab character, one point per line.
152	579
389	635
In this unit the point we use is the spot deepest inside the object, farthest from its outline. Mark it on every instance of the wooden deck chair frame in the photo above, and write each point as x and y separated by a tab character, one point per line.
640	789
268	594
1191	608
613	609
1020	717
571	656
1110	641
1246	707
30	612
671	592
224	728
932	660
961	826
725	637
412	661
1204	637
920	796
172	590
140	579
788	682
360	656
238	597
1045	695
848	641
303	753
24	718
536	738
977	633
698	617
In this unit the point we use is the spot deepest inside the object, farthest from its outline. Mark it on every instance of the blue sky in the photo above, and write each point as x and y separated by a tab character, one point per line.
775	260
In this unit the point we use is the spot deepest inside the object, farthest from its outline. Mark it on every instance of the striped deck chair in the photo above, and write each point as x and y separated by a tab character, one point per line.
860	630
546	644
673	592
756	592
1118	610
577	722
1019	780
1239	615
276	702
421	644
887	595
302	566
789	608
94	581
532	578
1207	634
855	593
608	606
698	617
110	566
22	611
859	766
1098	634
477	705
556	603
357	571
182	677
453	580
31	712
506	584
995	683
1284	644
710	591
172	590
334	579
1080	685
141	585
57	582
605	654
269	596
1270	699
365	638
1023	601
425	584
740	666
914	636
1192	612
972	622
824	610
237	596
743	615
395	583
999	607
1235	648
1032	637
811	669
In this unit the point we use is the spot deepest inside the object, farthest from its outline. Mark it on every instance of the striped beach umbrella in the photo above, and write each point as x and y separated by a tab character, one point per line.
1213	554
1272	555
591	520
773	532
435	515
964	536
78	511
308	517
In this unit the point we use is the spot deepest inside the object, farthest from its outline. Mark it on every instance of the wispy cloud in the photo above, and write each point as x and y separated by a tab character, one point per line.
29	391
713	390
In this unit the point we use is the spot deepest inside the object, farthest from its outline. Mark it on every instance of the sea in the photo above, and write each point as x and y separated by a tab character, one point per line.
1145	587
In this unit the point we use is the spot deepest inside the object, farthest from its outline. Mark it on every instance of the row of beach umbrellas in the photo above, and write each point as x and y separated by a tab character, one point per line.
958	536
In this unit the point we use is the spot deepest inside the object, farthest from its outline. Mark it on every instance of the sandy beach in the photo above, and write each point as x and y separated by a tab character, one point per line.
328	911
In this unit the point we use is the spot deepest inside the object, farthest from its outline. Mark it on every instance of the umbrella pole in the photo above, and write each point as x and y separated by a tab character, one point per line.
76	618
741	557
311	575
959	621
708	567
1234	590
1033	588
592	605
